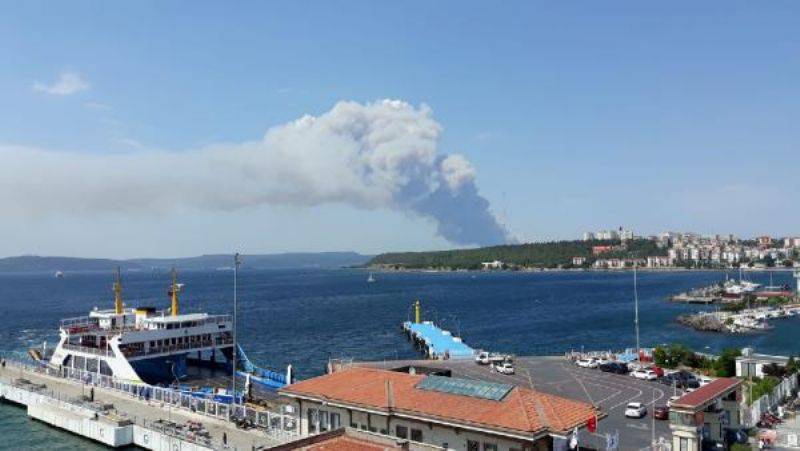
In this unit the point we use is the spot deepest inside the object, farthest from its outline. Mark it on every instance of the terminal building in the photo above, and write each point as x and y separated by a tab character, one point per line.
425	411
705	414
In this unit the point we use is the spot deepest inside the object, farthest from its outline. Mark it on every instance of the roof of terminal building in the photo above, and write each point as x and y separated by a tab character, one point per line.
351	439
519	410
706	393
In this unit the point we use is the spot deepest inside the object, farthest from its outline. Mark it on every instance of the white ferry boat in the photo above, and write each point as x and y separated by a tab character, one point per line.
143	344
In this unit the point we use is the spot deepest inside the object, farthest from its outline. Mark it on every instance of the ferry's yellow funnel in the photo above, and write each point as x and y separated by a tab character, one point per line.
118	293
417	312
174	290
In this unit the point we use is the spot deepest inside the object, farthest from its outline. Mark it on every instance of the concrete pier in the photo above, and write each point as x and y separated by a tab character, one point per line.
117	419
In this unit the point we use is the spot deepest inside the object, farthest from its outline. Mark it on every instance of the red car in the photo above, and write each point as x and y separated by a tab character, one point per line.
661	413
658	370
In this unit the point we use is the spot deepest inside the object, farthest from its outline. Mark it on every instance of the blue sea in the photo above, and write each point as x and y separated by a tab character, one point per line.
305	317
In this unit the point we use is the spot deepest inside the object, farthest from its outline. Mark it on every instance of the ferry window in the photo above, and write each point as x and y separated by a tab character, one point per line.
489	447
105	370
416	435
473	446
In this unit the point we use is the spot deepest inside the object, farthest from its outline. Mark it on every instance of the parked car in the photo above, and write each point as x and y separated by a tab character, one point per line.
643	374
485	358
587	363
602	361
505	368
661	413
612	367
680	379
635	410
620	368
671	400
658	370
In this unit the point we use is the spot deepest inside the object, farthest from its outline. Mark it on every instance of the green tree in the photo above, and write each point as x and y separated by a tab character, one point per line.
725	365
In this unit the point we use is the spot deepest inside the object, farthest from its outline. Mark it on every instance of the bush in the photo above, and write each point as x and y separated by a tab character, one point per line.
725	365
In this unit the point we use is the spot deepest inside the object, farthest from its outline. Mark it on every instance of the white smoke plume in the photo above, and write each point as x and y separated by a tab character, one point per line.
371	156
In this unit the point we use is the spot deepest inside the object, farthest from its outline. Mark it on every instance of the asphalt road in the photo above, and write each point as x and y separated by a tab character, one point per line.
556	375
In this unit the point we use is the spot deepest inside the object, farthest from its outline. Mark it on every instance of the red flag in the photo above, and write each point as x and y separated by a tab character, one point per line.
591	425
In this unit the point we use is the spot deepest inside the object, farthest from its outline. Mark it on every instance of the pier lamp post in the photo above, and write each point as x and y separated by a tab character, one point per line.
636	309
236	262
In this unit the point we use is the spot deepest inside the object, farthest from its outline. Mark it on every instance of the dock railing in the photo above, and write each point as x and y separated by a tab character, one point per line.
278	425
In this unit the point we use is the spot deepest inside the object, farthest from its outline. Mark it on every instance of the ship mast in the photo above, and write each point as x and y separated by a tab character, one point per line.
118	293
174	309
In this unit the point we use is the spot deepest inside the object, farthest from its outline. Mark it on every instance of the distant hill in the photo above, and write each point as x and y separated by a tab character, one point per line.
30	263
531	255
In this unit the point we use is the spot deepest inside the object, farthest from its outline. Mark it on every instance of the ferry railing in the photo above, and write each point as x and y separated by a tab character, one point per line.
278	425
88	350
178	347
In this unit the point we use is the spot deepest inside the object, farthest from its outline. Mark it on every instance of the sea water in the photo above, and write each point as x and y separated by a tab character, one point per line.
304	317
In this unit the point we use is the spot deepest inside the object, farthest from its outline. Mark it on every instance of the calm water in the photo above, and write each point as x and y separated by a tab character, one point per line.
305	317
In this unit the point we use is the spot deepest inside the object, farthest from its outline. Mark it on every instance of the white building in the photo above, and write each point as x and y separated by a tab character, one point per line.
752	365
496	264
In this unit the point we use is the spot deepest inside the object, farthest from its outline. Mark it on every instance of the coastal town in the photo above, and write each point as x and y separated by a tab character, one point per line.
692	250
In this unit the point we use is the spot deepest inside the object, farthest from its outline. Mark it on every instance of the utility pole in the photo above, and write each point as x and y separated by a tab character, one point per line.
636	307
236	263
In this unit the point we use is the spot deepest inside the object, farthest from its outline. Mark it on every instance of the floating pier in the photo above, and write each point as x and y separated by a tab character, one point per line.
434	341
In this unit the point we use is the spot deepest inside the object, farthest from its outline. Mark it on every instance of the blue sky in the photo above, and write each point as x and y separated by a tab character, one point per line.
574	116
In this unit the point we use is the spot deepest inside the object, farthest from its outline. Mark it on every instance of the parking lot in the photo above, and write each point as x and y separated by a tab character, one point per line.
556	375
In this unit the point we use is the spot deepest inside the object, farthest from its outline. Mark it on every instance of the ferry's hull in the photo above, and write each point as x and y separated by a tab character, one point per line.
161	370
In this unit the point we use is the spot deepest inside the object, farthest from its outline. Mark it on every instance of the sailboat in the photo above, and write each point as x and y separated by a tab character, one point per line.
371	278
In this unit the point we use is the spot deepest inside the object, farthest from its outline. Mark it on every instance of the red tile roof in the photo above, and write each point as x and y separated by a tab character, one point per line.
706	393
350	444
521	411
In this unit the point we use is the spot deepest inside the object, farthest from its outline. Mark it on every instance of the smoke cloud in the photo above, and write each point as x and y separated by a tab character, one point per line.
371	156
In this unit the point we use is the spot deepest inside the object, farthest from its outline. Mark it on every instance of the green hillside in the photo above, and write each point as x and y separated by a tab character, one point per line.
538	255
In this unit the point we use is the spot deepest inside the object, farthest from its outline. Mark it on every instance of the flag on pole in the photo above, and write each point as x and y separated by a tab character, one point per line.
573	442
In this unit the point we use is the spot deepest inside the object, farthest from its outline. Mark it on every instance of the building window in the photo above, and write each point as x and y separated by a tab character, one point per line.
490	447
473	446
416	435
684	444
401	431
312	421
323	420
336	421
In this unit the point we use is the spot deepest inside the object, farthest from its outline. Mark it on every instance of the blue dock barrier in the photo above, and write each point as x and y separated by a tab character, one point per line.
437	343
268	379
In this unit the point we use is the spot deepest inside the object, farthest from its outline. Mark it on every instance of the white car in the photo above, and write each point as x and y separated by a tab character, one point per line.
647	375
672	399
602	361
505	368
635	410
704	380
587	363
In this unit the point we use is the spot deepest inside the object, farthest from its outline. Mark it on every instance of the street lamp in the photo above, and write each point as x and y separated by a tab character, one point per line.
236	262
